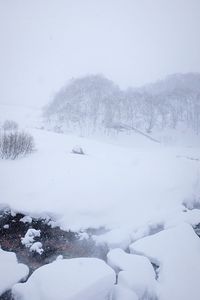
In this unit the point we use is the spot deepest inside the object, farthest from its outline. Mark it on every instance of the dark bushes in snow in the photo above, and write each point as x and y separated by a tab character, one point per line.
14	144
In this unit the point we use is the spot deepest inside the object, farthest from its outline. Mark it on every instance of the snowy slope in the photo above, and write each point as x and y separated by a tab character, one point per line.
25	116
126	183
111	185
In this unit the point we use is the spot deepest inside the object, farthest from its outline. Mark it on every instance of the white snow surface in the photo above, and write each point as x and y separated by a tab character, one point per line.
177	253
123	293
11	271
125	183
68	279
136	273
112	186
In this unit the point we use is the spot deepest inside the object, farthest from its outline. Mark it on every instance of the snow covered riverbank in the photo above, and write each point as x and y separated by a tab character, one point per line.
110	186
126	193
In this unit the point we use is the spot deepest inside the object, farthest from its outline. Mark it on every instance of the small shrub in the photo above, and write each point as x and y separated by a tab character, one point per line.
15	144
10	125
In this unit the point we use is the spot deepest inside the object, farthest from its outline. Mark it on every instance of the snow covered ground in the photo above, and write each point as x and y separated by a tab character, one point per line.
111	186
176	251
131	186
10	271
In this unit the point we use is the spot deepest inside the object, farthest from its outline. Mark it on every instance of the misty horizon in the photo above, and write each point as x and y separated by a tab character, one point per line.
133	43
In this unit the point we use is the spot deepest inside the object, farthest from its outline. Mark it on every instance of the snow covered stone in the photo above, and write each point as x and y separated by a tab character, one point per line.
137	273
11	271
30	235
177	253
77	150
68	279
123	293
26	219
36	247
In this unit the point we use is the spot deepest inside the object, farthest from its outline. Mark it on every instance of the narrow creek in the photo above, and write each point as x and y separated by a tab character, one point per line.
54	241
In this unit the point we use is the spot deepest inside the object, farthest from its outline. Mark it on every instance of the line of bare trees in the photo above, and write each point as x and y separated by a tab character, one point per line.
96	103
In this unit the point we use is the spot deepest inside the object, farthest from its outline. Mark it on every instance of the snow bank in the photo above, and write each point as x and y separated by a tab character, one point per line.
122	293
68	279
11	271
136	272
116	238
177	253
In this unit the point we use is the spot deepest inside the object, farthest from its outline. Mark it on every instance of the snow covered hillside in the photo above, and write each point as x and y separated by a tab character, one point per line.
111	185
129	185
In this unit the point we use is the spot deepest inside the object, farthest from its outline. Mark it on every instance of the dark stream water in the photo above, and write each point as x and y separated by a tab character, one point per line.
54	242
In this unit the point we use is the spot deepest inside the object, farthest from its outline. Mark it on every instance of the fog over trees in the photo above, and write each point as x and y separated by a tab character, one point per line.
94	103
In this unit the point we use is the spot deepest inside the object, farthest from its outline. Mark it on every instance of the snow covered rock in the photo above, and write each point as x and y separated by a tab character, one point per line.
137	273
68	279
11	271
36	247
26	219
77	150
122	293
28	240
177	253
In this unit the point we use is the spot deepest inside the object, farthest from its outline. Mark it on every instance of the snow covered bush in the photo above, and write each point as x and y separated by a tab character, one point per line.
10	125
14	144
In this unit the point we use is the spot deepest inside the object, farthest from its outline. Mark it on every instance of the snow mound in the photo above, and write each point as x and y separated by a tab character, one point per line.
116	238
68	279
11	271
77	150
177	253
137	272
122	293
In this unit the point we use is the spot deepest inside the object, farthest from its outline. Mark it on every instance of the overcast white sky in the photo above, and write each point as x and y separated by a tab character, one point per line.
44	43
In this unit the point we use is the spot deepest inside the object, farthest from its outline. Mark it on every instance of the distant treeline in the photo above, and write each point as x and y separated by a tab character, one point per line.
94	103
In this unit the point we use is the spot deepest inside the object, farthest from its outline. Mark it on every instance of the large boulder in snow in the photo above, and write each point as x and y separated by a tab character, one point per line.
68	279
11	271
77	150
136	273
177	253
